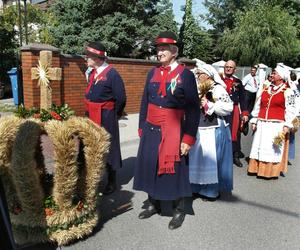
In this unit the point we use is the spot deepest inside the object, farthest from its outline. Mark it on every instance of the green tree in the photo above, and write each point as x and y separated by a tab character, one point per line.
7	49
194	41
292	7
37	22
161	21
126	27
73	24
221	13
164	19
264	33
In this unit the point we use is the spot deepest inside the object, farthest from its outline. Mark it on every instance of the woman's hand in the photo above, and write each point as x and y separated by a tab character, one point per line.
253	127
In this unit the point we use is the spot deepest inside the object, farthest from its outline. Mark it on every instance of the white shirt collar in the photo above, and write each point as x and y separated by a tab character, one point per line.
101	68
173	65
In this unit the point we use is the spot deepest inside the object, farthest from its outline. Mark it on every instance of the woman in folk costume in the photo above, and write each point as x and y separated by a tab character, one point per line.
210	158
168	122
273	115
105	99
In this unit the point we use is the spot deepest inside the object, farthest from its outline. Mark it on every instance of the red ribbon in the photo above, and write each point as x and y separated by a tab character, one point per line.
235	122
162	86
165	40
95	51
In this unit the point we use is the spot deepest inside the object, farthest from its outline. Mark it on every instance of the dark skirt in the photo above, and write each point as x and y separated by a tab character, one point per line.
165	186
110	123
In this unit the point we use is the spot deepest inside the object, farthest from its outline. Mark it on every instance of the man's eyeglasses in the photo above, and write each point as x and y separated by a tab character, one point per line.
229	67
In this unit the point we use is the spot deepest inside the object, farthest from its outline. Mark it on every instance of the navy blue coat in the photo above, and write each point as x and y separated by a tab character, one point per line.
110	88
238	96
185	97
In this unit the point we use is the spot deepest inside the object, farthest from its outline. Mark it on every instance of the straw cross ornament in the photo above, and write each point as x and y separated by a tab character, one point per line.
44	73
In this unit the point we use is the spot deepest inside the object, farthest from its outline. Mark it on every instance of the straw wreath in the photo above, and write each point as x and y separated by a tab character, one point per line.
23	169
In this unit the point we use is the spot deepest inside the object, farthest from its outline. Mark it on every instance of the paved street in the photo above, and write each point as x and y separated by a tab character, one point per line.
260	214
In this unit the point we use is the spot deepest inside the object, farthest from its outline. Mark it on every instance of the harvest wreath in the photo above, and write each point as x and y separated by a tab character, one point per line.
59	207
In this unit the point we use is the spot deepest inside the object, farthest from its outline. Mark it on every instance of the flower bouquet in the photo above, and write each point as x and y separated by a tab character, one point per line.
59	113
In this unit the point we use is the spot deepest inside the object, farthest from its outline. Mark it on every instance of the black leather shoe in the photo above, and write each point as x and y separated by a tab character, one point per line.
147	213
178	214
153	208
236	159
237	162
177	220
241	154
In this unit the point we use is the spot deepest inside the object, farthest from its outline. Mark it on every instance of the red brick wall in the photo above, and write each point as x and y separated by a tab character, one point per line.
71	88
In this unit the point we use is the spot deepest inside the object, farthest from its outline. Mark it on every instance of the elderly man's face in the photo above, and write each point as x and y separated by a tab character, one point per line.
229	68
165	54
93	61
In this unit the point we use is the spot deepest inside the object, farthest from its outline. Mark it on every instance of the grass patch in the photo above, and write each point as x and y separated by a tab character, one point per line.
7	108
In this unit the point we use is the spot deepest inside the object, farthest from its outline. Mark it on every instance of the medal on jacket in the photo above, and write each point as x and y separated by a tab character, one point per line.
173	84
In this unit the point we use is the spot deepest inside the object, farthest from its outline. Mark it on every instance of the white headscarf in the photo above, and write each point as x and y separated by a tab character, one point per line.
282	70
212	73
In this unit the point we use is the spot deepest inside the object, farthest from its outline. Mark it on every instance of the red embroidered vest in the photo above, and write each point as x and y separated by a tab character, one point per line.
272	106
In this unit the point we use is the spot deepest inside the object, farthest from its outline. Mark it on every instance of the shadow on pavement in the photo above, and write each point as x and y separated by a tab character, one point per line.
233	198
112	206
119	202
228	197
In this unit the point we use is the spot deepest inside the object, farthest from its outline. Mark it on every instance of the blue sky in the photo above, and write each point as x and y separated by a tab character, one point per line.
198	8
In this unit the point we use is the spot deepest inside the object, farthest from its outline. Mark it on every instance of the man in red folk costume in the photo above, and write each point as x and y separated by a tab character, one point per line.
240	113
168	124
105	102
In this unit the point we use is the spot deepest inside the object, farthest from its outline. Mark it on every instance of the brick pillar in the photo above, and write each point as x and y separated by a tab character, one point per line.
31	90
